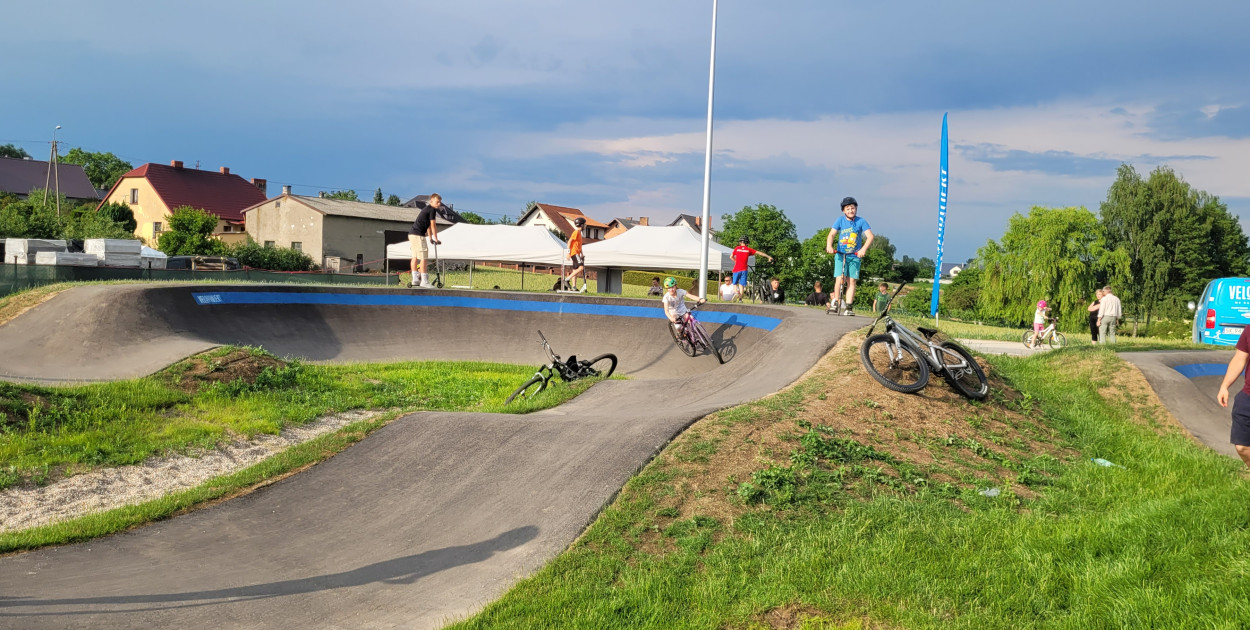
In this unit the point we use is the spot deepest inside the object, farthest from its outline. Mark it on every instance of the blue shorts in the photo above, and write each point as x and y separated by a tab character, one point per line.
1240	434
852	266
740	277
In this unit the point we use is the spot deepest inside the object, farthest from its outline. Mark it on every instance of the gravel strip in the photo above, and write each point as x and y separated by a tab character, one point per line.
109	488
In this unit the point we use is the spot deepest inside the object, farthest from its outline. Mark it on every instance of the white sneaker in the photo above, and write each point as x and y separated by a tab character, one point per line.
425	284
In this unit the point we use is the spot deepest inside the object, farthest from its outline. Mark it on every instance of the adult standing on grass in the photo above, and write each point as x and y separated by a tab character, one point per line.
854	237
740	255
1240	435
1109	313
424	227
1093	316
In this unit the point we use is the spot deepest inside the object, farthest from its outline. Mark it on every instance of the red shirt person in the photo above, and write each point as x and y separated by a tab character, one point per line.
740	255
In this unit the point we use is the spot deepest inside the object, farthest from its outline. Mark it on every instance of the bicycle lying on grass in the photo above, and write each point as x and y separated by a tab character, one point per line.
1049	336
570	370
902	360
693	336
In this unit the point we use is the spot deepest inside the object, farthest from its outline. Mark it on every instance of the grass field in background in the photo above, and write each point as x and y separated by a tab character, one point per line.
1157	541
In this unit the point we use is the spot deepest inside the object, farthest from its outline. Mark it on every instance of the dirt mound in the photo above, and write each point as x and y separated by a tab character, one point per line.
838	435
222	365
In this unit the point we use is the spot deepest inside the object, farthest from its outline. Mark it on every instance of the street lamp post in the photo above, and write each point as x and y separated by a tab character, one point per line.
707	165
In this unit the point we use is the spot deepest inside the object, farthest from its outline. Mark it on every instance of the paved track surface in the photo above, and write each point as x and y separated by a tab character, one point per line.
429	518
1187	382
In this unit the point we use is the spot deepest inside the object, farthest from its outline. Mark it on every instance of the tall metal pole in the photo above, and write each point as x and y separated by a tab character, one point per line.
707	164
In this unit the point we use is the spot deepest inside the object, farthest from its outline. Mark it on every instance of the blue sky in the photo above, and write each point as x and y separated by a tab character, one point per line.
602	106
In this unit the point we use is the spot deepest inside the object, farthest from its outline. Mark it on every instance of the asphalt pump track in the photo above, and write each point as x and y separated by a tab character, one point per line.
427	519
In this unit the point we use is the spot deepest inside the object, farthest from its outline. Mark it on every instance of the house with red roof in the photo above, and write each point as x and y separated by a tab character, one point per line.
560	219
153	191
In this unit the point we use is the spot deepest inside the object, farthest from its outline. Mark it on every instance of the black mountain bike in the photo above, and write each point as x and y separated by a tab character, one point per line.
570	370
902	360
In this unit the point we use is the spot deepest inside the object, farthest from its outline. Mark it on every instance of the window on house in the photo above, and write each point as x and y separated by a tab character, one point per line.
297	246
157	228
269	243
134	195
226	228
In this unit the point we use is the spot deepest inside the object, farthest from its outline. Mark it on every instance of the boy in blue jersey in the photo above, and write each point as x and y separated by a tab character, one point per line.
853	237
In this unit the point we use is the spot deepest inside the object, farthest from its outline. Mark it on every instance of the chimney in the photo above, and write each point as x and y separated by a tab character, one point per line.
176	164
225	170
261	184
644	221
629	218
286	191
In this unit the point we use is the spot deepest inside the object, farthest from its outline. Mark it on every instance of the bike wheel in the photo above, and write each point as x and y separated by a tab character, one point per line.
603	365
705	340
528	390
1028	336
964	374
897	366
1057	340
682	340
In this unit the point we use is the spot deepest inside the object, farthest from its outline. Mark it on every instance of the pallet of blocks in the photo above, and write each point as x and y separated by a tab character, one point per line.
21	251
70	259
114	252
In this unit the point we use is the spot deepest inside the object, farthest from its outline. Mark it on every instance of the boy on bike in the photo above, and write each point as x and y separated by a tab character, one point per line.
740	255
674	302
854	237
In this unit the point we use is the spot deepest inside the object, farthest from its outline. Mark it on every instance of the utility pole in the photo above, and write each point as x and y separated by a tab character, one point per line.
54	173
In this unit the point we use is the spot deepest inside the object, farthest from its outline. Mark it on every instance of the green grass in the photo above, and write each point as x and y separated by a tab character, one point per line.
47	433
1158	543
52	430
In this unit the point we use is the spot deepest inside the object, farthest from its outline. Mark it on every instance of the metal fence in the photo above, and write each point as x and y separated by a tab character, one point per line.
14	278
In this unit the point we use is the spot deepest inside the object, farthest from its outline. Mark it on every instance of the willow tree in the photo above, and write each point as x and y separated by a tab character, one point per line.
1053	254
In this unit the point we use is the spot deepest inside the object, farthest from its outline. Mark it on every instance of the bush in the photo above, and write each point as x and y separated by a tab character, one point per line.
257	256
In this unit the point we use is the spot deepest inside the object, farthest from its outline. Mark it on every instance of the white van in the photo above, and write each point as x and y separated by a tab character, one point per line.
1222	312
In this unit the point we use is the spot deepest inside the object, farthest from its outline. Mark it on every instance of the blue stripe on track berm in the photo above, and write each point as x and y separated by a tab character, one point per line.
223	298
1194	370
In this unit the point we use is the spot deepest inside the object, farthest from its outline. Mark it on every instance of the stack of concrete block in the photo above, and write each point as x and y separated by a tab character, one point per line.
113	252
75	259
22	251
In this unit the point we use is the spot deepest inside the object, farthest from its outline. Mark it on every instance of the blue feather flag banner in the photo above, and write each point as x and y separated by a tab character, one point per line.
943	180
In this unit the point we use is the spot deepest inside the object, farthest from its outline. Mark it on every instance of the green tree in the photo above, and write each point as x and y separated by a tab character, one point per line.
879	261
377	196
771	232
394	200
1167	241
905	270
85	222
103	169
10	151
474	218
1053	254
190	233
349	195
960	297
927	266
120	214
41	217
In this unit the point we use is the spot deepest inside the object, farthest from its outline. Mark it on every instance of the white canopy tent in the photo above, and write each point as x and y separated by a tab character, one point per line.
657	247
653	247
526	244
503	243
